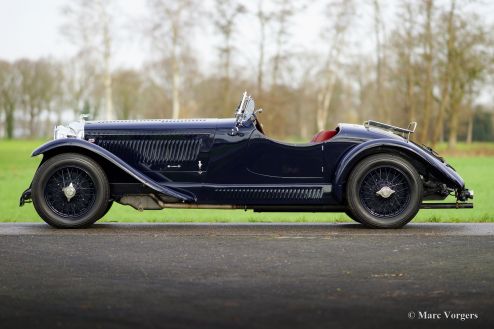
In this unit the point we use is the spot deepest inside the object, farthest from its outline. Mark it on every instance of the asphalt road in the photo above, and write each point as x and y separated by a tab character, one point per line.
246	276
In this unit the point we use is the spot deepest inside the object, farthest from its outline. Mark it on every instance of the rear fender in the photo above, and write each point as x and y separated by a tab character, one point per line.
61	145
440	169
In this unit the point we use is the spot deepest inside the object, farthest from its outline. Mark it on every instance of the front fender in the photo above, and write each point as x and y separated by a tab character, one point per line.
73	143
357	153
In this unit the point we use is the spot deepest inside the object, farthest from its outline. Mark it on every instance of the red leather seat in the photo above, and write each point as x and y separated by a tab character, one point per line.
323	136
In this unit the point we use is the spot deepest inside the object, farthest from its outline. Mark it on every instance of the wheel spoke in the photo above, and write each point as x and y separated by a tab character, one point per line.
83	199
390	206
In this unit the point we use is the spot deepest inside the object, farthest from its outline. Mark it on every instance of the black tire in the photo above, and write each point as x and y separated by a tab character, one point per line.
85	203
351	215
390	208
108	207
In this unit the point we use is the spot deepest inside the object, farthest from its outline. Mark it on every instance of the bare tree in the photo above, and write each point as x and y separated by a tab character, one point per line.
428	57
473	60
79	86
360	71
262	19
405	45
127	92
90	25
160	73
340	15
226	13
446	73
466	61
38	88
9	95
471	113
282	21
381	104
172	22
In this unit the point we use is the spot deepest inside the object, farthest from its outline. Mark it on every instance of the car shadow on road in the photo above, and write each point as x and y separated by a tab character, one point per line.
255	229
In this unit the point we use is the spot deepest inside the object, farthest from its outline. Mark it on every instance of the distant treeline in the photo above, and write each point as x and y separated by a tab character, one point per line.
433	66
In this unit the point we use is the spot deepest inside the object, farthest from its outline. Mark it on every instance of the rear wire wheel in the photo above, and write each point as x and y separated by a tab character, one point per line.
70	191
108	207
384	191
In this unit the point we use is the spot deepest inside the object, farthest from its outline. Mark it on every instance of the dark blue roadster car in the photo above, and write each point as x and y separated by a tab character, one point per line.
372	172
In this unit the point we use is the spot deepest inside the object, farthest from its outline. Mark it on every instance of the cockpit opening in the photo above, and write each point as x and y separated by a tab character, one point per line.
324	135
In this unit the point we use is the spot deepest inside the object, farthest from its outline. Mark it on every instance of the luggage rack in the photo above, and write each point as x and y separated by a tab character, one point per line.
403	132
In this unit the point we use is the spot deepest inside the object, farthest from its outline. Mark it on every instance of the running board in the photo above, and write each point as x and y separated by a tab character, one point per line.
438	205
297	208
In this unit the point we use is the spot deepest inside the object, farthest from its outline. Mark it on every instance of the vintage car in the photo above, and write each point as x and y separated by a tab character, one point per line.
372	172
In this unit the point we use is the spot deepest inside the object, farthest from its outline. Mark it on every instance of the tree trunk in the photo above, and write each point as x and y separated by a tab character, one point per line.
262	44
226	78
428	85
410	96
470	114
324	101
453	129
279	43
32	119
382	110
9	122
108	97
175	91
336	44
457	91
439	126
175	73
107	44
446	99
454	115
361	96
470	129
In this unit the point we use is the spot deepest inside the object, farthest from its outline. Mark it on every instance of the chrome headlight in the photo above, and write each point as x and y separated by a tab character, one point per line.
73	130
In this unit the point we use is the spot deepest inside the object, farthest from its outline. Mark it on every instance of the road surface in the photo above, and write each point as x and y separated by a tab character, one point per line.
247	276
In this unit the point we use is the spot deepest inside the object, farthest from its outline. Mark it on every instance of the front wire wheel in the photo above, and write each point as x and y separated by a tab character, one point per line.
384	191
349	213
70	191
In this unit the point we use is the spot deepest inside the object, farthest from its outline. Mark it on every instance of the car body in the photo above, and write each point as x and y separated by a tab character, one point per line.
231	163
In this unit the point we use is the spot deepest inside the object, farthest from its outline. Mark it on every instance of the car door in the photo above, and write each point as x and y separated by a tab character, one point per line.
286	162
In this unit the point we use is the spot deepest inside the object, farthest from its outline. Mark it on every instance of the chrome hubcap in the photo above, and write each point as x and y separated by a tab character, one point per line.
69	191
385	192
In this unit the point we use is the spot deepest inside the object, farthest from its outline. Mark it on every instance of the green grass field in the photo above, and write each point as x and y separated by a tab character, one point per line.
17	169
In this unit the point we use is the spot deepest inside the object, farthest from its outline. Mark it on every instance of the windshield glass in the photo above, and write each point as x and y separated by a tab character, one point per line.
250	106
245	109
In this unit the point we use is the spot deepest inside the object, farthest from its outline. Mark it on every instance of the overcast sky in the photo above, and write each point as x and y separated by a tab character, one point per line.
31	28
